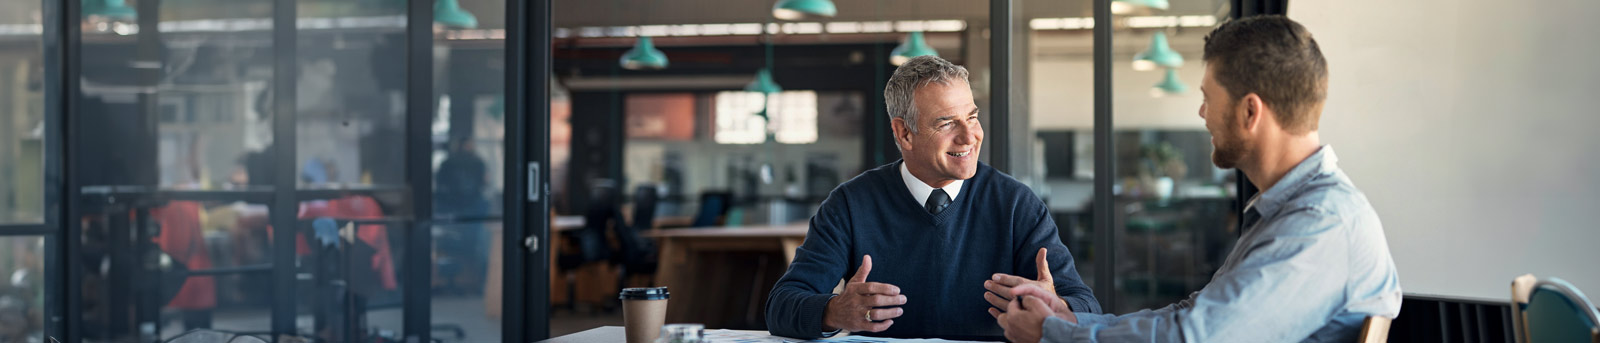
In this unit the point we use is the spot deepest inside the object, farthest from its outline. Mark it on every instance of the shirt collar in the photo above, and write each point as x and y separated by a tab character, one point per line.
1268	202
921	190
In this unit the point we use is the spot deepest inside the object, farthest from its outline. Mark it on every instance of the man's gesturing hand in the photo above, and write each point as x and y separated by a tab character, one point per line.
864	306
1024	318
1000	286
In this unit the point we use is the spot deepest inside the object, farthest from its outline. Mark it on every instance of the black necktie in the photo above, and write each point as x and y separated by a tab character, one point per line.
937	201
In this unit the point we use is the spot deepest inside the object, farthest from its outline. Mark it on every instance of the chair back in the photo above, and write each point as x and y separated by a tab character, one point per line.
644	207
602	211
713	205
1375	329
1552	310
637	249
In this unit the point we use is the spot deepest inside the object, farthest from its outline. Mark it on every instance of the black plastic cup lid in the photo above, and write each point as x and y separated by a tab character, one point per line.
650	293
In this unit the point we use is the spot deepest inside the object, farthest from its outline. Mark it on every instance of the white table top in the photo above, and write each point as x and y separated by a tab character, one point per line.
615	334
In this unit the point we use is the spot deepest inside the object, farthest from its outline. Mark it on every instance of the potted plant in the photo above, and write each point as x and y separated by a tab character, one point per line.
1163	166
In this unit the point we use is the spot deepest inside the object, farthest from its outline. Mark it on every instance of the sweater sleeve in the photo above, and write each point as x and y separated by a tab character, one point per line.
796	305
1043	234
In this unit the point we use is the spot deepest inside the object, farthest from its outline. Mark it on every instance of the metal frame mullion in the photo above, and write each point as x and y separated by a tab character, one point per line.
527	199
1000	48
419	170
285	205
536	140
1104	162
68	61
511	297
54	109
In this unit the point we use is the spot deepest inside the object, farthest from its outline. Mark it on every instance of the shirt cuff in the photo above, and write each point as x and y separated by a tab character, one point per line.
1057	330
1090	319
1078	304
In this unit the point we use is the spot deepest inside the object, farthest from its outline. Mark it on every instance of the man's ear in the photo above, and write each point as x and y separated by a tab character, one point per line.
1253	110
902	134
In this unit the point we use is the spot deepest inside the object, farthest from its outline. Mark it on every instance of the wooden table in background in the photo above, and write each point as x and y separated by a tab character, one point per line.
723	292
596	282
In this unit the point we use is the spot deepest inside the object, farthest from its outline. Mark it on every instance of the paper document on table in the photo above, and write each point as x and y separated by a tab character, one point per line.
733	336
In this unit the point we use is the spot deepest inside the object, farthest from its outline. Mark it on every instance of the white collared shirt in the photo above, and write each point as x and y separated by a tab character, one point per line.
921	190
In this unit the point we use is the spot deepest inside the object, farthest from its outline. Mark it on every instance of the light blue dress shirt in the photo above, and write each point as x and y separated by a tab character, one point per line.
1311	265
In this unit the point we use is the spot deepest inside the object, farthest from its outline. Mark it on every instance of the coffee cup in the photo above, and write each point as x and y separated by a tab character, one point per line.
644	310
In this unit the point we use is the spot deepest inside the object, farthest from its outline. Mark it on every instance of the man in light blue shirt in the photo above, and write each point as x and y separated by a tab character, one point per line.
1312	262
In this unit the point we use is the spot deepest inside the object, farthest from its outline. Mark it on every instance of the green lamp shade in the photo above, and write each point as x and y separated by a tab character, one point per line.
1170	85
110	9
913	46
1158	55
763	83
644	55
801	9
1127	6
450	14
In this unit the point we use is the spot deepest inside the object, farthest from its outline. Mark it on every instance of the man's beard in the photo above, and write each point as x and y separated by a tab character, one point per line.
1230	146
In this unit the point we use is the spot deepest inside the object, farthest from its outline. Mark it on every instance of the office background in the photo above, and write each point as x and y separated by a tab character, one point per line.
463	144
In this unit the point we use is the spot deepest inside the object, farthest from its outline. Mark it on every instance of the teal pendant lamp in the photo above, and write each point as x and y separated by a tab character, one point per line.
763	83
1159	54
109	9
644	55
802	9
1127	6
914	46
450	14
1170	85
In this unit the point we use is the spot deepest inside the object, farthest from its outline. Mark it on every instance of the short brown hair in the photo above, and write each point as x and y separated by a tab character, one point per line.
1276	59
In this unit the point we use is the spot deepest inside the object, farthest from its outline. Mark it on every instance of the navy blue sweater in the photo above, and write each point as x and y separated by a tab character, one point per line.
995	225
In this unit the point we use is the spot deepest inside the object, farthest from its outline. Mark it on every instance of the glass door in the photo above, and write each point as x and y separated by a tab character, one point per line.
328	170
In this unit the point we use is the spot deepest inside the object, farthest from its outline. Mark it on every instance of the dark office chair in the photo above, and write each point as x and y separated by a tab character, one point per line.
591	239
638	253
713	205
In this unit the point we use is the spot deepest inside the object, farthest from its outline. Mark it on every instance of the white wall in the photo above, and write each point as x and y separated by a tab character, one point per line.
1471	126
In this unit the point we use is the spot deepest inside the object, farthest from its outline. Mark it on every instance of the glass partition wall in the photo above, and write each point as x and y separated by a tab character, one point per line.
328	170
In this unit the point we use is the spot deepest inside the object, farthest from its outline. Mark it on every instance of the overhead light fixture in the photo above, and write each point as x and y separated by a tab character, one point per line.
112	10
644	55
802	9
914	46
450	14
763	83
1158	54
1170	85
1128	6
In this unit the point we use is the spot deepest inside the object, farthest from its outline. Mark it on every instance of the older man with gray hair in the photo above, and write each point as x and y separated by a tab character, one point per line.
950	236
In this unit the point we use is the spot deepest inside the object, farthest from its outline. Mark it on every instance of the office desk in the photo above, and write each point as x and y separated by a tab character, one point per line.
615	334
565	223
595	282
721	276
